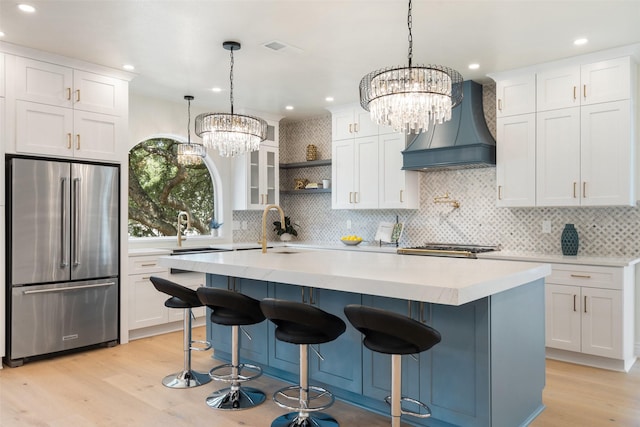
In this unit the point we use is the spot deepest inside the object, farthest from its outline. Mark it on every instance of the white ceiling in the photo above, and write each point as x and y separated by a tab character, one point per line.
176	45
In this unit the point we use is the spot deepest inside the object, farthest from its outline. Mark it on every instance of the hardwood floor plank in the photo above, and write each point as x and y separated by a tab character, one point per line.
121	387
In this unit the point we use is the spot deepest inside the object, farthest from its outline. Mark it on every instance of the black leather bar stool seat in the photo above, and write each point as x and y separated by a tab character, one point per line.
391	333
185	299
233	309
303	324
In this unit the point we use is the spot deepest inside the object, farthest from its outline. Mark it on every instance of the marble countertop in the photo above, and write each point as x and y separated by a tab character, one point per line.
440	280
560	259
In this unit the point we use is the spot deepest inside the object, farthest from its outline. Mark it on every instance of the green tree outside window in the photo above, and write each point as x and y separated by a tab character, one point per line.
159	188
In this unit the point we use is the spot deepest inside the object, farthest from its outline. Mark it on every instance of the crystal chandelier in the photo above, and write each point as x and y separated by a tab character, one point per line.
231	134
190	153
408	98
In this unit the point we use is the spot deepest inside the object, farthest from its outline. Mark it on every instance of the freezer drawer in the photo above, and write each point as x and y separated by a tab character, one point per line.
52	318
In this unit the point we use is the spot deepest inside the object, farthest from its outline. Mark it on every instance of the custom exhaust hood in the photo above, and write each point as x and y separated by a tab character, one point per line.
462	142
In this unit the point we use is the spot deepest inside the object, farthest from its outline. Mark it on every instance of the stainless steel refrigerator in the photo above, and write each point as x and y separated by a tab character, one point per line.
62	256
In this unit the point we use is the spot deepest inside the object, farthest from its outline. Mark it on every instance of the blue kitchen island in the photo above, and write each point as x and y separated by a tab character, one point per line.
489	369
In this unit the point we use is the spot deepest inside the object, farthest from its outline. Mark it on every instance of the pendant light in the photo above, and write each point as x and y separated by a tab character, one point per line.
190	153
231	134
409	98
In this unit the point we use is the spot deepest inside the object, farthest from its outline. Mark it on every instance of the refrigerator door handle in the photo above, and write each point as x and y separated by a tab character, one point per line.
70	288
76	221
63	224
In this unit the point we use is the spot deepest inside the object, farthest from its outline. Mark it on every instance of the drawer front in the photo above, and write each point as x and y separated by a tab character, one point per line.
586	276
145	265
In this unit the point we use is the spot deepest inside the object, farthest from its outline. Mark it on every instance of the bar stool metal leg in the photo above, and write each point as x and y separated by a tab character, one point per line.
307	415
396	389
187	378
236	397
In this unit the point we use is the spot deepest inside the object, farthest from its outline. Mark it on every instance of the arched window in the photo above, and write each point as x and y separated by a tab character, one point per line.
160	188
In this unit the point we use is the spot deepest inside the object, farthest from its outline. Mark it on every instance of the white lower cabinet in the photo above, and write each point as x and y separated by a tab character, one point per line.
146	304
590	315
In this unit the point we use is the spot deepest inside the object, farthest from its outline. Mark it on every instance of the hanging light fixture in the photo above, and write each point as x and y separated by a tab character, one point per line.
231	134
408	98
190	153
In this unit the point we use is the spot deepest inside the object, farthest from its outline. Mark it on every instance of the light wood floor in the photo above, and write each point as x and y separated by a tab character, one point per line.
121	386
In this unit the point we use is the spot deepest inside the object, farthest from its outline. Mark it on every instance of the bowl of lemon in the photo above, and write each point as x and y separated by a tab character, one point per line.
351	240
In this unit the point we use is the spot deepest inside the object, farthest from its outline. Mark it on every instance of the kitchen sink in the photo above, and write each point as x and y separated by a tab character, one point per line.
187	251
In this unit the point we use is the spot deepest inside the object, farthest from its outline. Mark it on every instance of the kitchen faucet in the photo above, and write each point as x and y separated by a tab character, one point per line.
264	224
183	219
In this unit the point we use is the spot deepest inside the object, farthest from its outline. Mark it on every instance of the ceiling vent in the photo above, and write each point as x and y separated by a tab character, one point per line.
282	48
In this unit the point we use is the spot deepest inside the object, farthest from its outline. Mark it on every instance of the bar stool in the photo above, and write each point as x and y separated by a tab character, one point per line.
391	333
302	324
186	299
233	309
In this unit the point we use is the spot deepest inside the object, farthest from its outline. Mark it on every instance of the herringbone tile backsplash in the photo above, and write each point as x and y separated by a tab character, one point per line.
610	231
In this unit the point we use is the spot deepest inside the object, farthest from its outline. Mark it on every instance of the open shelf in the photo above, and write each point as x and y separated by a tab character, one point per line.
306	191
309	164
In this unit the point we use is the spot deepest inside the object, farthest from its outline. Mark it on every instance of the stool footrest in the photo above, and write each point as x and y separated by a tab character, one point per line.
229	377
206	345
318	398
423	410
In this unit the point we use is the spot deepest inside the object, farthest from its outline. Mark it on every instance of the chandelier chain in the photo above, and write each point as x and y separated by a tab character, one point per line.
410	25
189	122
231	80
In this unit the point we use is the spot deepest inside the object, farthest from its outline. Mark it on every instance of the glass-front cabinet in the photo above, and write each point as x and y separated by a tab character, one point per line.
256	176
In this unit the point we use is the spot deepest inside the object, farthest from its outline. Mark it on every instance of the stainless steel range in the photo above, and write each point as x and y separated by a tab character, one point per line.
448	250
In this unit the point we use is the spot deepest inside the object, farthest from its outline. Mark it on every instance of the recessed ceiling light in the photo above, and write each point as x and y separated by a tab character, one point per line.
580	42
289	107
474	66
1	34
329	99
128	67
216	89
26	8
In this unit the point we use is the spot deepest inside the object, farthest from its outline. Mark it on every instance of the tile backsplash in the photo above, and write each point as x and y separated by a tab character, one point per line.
603	231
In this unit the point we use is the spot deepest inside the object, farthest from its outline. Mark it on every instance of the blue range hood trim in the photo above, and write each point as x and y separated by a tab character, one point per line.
462	142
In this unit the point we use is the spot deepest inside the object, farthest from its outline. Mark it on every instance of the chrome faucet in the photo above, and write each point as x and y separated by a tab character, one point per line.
183	219
264	224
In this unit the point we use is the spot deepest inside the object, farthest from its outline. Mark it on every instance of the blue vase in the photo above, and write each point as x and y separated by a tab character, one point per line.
569	240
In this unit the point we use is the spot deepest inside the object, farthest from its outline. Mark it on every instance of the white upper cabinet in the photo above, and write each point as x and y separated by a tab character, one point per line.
398	188
62	111
352	122
516	95
584	140
366	165
2	84
53	84
516	161
593	83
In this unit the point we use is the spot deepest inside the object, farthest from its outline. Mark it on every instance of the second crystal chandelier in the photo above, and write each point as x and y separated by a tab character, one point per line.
231	134
409	98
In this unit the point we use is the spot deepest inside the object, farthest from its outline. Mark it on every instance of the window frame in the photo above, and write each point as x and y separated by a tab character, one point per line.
217	194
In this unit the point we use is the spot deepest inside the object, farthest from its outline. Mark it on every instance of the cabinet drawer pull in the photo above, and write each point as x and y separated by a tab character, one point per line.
581	276
574	302
499	104
148	265
585	303
146	277
69	141
574	92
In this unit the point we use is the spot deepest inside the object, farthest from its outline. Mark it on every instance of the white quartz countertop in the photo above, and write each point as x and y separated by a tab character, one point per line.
560	259
440	280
